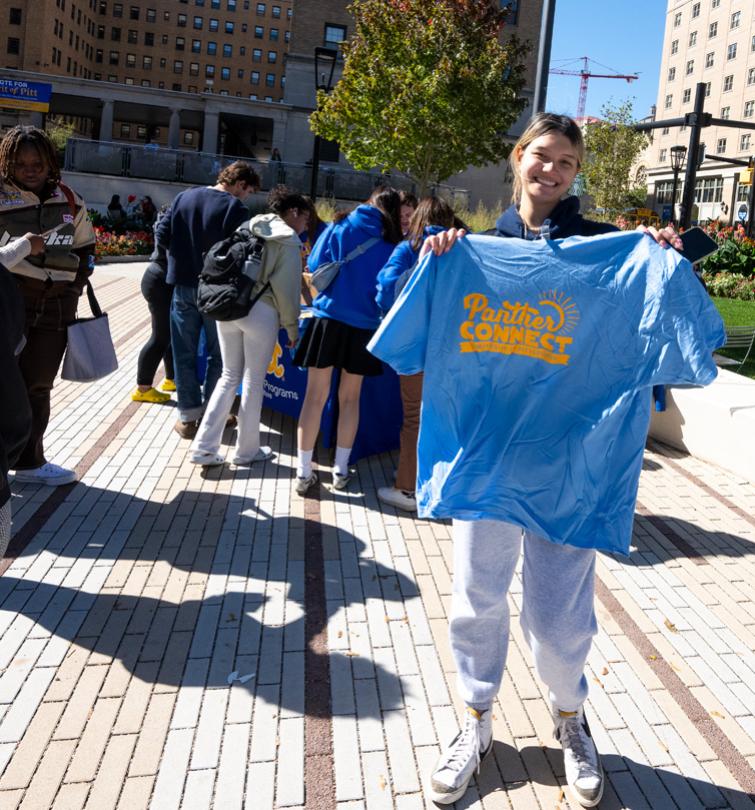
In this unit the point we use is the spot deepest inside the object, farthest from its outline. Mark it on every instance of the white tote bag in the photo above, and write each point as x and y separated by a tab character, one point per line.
90	354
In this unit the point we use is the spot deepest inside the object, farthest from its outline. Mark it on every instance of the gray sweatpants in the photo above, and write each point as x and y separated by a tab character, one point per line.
4	527
558	616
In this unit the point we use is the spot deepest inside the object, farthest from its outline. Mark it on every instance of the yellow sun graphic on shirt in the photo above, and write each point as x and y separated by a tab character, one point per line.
565	308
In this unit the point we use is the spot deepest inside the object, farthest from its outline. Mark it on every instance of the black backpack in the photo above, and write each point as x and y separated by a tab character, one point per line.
230	272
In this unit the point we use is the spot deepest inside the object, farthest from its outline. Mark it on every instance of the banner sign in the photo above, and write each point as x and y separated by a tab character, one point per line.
25	95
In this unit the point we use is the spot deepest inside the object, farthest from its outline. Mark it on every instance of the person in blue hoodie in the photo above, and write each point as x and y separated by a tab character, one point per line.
345	318
431	216
558	614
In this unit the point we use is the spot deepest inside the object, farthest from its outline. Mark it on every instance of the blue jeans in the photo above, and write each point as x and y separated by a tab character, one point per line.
186	323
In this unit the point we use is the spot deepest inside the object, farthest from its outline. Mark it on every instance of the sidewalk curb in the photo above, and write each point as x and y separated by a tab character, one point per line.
121	259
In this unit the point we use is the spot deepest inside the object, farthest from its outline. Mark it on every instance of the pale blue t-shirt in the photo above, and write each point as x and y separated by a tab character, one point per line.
539	358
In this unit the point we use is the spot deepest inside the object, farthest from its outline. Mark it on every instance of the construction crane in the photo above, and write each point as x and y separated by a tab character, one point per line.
585	75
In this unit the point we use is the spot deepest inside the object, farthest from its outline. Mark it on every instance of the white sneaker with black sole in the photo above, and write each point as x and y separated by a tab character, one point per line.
462	758
305	482
342	481
398	498
584	773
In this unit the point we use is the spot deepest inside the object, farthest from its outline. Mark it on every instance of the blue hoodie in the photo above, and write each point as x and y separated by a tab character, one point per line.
565	220
350	298
402	258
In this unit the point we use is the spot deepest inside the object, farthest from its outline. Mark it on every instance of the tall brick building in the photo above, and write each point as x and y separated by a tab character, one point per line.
227	47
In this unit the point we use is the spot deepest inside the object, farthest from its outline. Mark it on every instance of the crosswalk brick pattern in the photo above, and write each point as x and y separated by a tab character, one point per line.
154	632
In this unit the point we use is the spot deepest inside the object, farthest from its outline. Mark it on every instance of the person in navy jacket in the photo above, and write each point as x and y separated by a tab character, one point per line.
345	318
558	614
432	216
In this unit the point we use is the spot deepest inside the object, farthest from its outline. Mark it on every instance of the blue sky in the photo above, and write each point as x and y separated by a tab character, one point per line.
625	36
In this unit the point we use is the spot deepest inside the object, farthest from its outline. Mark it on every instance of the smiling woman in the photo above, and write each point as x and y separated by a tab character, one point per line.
50	274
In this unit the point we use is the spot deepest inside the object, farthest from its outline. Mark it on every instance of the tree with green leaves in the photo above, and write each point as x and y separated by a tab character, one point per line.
429	87
612	149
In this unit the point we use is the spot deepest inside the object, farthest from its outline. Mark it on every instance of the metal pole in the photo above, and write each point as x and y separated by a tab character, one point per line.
543	56
673	196
688	192
315	169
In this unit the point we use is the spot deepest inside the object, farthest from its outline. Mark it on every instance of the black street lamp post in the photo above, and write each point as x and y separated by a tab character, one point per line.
677	161
325	65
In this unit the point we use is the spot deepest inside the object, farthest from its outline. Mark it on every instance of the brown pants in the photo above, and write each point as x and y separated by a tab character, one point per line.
411	399
49	309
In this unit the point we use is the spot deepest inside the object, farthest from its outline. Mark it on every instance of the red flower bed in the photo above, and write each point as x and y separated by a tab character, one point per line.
130	243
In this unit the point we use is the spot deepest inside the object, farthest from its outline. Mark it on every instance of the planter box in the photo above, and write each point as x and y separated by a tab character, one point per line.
716	423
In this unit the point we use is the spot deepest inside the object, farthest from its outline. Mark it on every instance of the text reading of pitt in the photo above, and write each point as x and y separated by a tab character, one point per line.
539	331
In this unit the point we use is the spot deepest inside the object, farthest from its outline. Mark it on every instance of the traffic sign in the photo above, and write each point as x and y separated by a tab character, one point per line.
742	212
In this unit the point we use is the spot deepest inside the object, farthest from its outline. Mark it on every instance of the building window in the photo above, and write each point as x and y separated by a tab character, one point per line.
113	59
176	87
181	21
117	9
715	3
693	39
665	131
260	9
334	35
662	155
707	89
663	191
149	38
242	50
214	24
669	101
228	27
111	77
178	66
677	19
695	10
675	46
209	71
744	142
276	12
731	51
214	3
115	34
254	77
725	112
166	16
131	60
270	79
728	83
712	30
196	46
125	130
671	74
709	59
151	15
240	73
273	34
146	63
134	13
14	16
180	44
225	74
132	36
287	36
163	62
100	31
721	146
141	131
752	44
690	67
98	56
686	96
259	32
709	189
14	45
194	69
231	5
198	23
227	50
188	138
272	57
212	48
256	55
736	18
749	109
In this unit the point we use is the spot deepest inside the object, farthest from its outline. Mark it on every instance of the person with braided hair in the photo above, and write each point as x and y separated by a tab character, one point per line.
34	202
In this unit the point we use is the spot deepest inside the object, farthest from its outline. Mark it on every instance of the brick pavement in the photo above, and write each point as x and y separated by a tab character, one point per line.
139	591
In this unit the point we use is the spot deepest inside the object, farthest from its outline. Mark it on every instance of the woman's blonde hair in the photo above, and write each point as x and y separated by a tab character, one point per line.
542	124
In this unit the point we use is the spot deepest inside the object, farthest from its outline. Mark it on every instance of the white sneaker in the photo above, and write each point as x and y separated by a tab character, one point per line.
52	475
342	481
263	454
398	498
462	758
303	484
584	773
206	459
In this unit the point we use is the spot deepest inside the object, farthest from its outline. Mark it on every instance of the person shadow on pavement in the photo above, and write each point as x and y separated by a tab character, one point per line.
215	596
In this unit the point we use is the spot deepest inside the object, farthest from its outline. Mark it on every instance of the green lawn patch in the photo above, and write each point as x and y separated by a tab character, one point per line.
738	313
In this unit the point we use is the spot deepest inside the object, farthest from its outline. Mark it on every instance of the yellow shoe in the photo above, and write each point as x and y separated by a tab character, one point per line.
149	396
168	385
